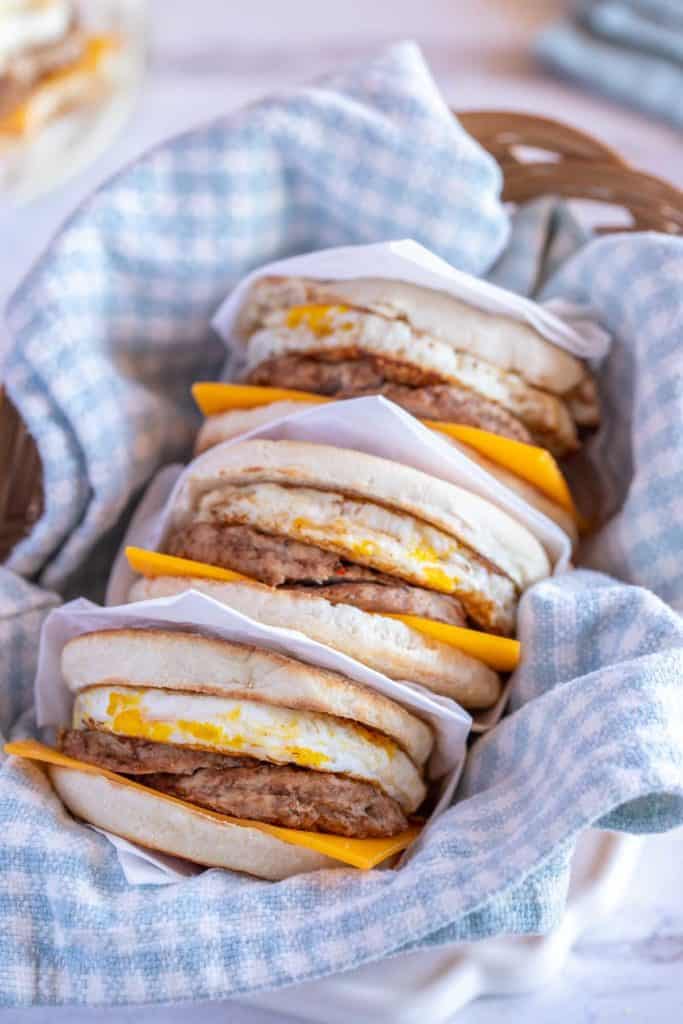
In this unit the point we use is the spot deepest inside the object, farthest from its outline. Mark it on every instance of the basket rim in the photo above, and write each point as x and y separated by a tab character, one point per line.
520	127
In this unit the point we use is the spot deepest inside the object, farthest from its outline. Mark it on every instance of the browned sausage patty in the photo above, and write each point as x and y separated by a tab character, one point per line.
372	375
245	787
280	561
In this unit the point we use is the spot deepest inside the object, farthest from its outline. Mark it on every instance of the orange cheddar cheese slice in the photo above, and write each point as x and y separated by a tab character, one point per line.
529	462
533	464
497	652
152	563
359	853
213	397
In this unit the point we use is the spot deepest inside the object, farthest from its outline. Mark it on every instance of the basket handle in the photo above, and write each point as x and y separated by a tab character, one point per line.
500	131
577	166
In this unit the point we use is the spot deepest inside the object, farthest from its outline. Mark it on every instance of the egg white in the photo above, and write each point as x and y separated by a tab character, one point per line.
395	543
24	26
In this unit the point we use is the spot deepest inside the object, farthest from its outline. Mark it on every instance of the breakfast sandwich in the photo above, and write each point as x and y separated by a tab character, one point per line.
492	379
426	350
235	756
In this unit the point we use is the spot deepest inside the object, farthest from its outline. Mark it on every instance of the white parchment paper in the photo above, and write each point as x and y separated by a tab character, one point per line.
406	260
192	610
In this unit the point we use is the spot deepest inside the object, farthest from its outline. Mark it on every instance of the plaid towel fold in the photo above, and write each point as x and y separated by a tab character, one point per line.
631	50
126	292
109	331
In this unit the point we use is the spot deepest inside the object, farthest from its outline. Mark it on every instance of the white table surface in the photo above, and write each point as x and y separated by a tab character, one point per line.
207	57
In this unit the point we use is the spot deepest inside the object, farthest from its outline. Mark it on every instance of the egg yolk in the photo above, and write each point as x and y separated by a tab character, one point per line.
318	319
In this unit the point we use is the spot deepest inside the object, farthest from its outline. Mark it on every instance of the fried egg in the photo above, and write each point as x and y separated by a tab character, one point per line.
320	329
363	532
253	729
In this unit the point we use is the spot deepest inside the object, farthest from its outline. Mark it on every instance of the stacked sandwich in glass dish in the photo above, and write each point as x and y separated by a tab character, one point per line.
49	65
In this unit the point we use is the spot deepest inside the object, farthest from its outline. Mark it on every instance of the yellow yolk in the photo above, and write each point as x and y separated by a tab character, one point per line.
307	758
204	731
435	578
318	319
363	548
121	702
131	723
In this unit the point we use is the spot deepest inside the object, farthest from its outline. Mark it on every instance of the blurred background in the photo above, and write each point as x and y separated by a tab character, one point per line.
207	57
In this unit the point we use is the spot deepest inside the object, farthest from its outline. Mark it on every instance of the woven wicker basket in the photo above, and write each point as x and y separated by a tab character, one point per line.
563	162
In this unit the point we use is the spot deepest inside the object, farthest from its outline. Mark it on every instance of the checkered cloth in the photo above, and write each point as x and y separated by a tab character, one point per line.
631	50
110	330
126	293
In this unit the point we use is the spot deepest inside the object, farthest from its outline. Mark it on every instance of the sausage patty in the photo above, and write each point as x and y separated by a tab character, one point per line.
371	375
280	561
244	787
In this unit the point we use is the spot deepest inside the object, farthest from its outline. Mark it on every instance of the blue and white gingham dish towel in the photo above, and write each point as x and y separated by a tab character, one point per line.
114	320
631	50
109	331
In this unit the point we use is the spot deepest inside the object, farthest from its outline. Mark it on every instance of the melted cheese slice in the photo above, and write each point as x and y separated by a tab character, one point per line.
153	563
527	461
497	652
359	853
